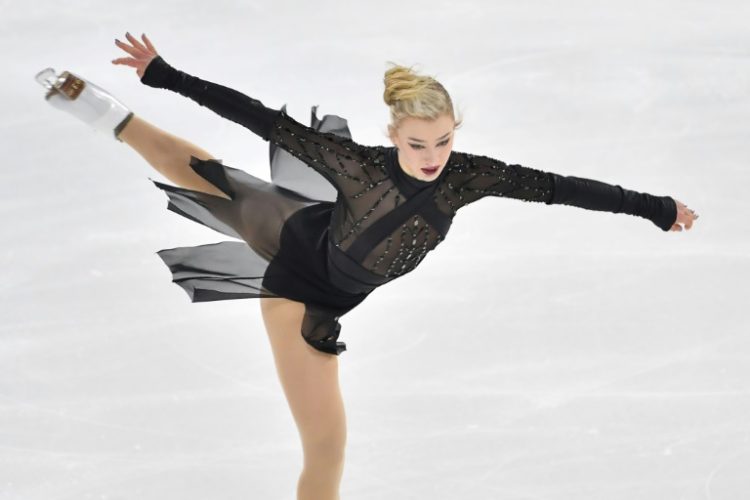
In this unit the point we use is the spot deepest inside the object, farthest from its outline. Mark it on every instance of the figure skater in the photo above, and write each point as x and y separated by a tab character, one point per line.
337	220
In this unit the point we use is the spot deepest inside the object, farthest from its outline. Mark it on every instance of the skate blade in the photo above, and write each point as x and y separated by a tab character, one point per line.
67	84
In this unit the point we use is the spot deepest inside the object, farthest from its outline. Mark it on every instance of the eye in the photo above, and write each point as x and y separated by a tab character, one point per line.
419	146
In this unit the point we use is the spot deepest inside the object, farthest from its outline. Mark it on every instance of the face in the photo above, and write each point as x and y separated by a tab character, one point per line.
423	144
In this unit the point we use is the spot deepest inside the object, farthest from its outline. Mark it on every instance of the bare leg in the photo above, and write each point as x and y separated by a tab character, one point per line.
310	382
168	154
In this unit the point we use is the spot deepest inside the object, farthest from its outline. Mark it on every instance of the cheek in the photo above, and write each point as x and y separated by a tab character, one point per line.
413	155
445	153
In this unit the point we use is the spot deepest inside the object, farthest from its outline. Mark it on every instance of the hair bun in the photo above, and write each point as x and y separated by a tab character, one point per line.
402	83
409	94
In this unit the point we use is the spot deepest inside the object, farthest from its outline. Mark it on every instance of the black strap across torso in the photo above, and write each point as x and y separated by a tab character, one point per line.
420	203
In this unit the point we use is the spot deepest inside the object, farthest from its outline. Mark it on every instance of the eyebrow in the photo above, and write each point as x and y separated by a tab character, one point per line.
439	138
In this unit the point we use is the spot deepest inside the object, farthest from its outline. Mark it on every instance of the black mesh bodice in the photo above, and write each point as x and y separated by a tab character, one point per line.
372	186
384	219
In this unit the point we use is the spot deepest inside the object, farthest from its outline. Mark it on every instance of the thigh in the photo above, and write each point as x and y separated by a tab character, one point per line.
309	377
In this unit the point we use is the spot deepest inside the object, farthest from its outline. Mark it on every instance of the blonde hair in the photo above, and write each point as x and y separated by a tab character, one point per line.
410	94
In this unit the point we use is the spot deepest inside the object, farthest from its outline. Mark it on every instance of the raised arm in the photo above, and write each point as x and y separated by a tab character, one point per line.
224	101
477	176
337	158
344	163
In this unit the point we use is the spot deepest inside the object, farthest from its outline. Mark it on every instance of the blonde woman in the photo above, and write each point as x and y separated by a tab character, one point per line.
338	220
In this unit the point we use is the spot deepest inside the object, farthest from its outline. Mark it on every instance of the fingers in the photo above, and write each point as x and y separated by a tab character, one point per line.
148	43
130	50
681	222
688	217
127	61
686	220
138	45
685	217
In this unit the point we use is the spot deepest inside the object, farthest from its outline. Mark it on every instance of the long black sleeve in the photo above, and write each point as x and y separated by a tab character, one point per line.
226	102
343	162
476	176
595	195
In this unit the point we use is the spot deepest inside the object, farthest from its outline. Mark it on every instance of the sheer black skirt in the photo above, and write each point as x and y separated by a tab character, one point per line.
282	247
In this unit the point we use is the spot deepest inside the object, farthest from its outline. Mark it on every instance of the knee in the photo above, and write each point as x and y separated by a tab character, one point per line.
325	452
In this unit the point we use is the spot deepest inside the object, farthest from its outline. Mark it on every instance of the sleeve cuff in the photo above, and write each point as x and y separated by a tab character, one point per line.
157	73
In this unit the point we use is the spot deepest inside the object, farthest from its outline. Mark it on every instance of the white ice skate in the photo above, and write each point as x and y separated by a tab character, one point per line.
84	100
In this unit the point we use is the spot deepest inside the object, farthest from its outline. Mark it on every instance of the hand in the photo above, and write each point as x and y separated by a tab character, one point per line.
684	216
142	55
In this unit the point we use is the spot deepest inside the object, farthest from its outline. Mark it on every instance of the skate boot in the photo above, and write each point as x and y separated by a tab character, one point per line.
86	101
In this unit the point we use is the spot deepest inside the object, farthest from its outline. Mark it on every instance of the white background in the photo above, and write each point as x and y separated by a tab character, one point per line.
542	352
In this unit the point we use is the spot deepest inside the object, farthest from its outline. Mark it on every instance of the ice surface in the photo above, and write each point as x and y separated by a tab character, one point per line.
600	359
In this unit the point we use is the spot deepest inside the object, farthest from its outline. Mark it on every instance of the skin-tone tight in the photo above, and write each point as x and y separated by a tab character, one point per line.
308	377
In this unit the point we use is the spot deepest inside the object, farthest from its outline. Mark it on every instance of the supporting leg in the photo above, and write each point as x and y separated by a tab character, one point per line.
310	381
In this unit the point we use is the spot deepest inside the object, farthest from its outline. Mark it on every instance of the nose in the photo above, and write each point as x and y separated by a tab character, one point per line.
431	159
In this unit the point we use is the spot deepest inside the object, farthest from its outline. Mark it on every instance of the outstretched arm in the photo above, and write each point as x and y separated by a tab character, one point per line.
226	102
596	195
479	176
339	159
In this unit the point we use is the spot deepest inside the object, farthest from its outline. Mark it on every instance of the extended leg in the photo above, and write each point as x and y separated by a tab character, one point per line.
93	105
310	382
168	154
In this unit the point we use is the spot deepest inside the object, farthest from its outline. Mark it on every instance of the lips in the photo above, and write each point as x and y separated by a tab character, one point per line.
430	170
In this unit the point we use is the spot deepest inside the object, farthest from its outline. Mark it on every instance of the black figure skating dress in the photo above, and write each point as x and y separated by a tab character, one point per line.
339	219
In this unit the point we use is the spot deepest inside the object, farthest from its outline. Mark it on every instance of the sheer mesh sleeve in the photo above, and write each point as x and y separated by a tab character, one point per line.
351	167
473	177
339	159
